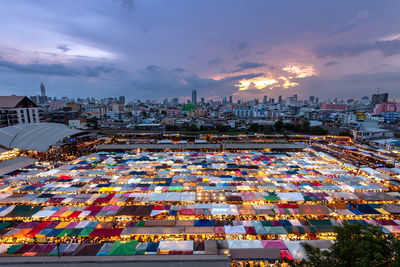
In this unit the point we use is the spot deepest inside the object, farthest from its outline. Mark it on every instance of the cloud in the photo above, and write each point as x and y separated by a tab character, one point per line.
127	4
349	86
214	61
179	70
247	65
56	69
158	82
63	47
239	45
330	63
360	17
387	48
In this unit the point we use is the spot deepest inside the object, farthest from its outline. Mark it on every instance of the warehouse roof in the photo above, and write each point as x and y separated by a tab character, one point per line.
34	136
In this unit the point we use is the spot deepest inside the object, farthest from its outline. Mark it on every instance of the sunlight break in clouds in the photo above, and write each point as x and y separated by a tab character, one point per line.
300	71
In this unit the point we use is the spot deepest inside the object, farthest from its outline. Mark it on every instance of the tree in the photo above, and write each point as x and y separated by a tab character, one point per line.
192	127
254	127
93	122
318	130
356	245
305	127
346	133
278	125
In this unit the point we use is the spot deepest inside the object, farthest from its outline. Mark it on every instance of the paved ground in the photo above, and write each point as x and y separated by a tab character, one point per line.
119	261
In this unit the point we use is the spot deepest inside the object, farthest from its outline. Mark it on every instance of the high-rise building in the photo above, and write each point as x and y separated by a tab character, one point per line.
311	99
122	99
224	101
379	98
280	99
42	90
175	101
265	99
202	100
194	97
230	99
316	100
295	98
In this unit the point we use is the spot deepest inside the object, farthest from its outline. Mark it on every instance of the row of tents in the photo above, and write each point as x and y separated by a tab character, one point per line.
150	228
199	210
237	249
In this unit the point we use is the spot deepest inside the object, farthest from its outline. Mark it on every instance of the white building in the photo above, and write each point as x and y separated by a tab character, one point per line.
18	110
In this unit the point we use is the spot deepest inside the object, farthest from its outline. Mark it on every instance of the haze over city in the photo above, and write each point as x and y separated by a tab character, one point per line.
157	49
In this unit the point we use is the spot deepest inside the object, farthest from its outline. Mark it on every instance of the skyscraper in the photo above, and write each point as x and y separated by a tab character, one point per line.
379	98
42	90
280	99
194	97
265	99
122	99
230	99
311	99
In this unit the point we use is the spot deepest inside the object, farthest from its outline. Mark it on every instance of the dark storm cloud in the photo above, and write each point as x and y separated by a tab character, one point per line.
247	65
63	48
188	42
387	48
55	69
357	84
155	81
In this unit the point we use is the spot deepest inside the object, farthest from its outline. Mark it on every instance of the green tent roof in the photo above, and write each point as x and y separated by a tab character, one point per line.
85	232
123	248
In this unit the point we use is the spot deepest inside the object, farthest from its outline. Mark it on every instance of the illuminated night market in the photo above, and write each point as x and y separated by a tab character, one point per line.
251	202
208	133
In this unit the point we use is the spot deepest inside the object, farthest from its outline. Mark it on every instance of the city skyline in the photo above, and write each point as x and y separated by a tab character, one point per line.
157	49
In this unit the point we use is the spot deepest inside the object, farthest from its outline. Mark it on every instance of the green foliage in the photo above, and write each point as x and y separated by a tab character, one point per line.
318	130
192	127
278	126
254	127
93	122
346	133
356	245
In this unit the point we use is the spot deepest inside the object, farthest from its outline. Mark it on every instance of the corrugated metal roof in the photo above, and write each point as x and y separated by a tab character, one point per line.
34	136
15	164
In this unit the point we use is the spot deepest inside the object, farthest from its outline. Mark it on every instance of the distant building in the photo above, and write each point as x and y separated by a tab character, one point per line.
243	112
311	99
122	99
265	100
194	97
365	100
363	134
335	107
18	110
379	98
175	101
42	90
386	107
230	99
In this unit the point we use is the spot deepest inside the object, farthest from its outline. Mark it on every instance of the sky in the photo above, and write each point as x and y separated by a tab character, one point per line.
156	49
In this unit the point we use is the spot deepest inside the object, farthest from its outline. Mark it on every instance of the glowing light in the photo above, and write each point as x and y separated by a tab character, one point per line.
287	83
300	71
256	83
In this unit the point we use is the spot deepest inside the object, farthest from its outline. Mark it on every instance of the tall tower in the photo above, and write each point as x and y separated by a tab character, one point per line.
42	90
194	97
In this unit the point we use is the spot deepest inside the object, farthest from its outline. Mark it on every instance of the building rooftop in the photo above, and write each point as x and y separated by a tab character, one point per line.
34	136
